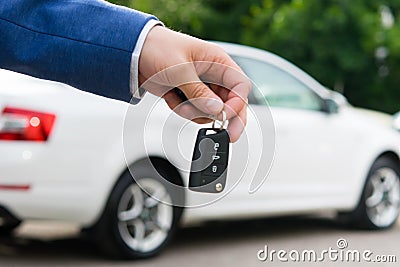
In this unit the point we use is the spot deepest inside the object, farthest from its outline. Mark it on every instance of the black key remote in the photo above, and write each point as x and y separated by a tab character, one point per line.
210	161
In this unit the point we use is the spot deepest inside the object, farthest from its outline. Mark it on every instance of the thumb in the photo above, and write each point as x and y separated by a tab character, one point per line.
202	97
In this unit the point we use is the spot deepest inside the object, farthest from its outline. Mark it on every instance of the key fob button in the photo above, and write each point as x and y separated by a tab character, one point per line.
220	143
217	158
214	170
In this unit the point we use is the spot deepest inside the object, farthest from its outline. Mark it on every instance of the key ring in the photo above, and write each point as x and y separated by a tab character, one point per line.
224	120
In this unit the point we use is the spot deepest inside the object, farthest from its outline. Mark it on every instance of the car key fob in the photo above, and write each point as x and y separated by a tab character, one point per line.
210	161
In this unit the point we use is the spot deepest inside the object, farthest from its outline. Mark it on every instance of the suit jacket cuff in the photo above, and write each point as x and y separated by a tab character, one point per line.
136	91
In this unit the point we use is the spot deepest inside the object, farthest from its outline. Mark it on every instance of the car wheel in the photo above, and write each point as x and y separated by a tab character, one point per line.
380	201
8	226
134	224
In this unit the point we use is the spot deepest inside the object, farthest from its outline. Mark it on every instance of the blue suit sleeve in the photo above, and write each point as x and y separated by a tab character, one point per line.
87	44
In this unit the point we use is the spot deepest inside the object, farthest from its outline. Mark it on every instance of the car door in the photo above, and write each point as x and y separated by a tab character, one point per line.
314	148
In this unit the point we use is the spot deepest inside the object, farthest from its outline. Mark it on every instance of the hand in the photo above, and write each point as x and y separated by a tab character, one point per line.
179	60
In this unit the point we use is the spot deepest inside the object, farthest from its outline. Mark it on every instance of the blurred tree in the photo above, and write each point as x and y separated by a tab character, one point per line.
121	2
347	45
207	19
181	15
223	19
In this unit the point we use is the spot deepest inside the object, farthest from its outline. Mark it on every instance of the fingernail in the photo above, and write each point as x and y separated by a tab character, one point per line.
214	106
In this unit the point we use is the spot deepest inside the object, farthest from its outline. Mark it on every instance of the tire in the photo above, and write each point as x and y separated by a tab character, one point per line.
7	227
135	225
379	204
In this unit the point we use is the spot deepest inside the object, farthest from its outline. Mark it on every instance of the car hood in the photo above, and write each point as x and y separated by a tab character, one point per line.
376	116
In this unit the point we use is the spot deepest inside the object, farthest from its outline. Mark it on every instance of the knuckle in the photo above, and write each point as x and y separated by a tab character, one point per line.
217	48
247	83
198	90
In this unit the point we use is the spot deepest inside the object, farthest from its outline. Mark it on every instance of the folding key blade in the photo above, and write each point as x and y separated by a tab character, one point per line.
210	161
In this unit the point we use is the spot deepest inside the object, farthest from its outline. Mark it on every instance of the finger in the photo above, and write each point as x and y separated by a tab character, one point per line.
222	92
223	70
237	82
202	97
233	103
237	125
185	109
229	78
233	106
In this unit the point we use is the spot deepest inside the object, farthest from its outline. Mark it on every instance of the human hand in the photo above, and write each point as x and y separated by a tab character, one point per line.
182	61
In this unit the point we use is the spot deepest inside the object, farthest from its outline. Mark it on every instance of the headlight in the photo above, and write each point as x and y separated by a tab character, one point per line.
396	121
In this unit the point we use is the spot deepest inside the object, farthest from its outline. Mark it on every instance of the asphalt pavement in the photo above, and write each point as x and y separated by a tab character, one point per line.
215	244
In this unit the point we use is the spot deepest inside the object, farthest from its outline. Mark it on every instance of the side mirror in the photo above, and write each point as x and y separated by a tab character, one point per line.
330	106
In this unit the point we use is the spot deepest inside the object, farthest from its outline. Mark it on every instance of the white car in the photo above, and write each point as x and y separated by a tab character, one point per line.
64	156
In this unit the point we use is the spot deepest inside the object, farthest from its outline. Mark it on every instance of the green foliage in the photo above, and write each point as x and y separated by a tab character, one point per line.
336	41
207	19
181	15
